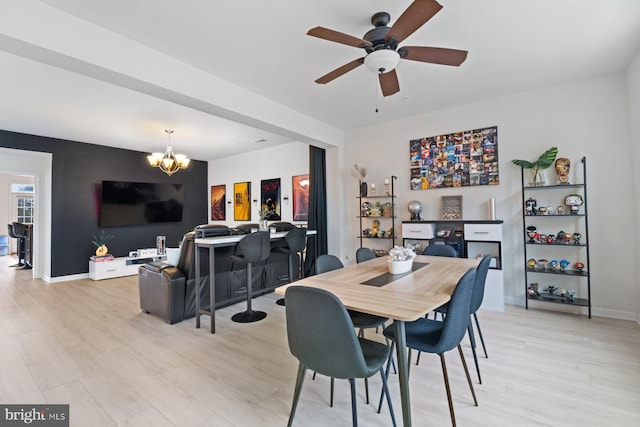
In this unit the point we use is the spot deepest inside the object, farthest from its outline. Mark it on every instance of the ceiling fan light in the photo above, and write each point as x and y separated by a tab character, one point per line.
382	61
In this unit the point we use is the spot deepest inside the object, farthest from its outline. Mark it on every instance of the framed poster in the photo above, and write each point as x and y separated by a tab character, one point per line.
451	207
218	202
270	198
242	201
457	159
300	186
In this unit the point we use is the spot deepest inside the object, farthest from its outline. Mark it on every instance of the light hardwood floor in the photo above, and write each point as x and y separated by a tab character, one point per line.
87	344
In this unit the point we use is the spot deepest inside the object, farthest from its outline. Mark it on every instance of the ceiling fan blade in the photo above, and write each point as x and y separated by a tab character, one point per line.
416	15
340	71
389	83
338	37
434	55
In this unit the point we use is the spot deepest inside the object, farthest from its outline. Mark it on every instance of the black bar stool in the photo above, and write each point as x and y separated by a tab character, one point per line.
296	242
253	248
20	248
22	232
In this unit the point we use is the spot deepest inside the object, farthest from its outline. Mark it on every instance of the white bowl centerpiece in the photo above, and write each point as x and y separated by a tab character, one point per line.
400	260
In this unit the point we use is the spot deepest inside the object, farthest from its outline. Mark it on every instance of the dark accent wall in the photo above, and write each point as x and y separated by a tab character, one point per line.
77	168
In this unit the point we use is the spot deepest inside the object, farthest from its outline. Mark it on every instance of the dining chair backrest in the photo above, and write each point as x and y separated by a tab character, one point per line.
440	250
478	288
321	334
364	254
325	263
457	318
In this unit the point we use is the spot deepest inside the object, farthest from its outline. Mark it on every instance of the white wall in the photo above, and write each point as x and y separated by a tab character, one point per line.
633	82
584	118
282	162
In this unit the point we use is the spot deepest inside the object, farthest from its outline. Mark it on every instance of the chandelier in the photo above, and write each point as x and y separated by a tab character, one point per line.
168	162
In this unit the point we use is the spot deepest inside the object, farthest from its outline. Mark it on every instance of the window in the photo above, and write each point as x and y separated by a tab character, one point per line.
21	188
26	207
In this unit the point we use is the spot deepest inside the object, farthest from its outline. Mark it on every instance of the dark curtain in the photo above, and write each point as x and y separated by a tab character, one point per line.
317	207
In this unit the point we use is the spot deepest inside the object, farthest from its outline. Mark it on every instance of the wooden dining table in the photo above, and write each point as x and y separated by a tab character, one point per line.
368	287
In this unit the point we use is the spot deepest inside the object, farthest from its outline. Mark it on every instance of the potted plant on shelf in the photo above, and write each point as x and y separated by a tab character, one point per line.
544	161
400	260
101	243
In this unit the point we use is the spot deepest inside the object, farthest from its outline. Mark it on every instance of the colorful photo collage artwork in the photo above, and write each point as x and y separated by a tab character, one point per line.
458	159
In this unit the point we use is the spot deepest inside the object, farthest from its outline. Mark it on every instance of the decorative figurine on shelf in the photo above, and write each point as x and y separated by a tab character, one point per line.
366	209
542	264
576	238
579	266
551	239
530	206
542	210
563	165
559	210
552	289
531	264
532	290
560	236
374	231
574	201
554	264
366	232
542	238
387	209
571	294
531	232
564	264
567	239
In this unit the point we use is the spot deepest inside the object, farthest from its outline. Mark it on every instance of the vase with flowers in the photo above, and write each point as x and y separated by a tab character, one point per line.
400	260
361	173
264	214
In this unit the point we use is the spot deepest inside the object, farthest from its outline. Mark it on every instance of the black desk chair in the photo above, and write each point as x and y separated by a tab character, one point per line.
19	250
253	248
322	338
296	242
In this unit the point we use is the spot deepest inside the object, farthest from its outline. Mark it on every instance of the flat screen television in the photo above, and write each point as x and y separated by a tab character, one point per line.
134	203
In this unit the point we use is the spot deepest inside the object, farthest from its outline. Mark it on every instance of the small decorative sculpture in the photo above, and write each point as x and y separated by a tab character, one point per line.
564	264
530	206
374	231
415	208
531	264
576	238
579	266
531	232
563	165
574	201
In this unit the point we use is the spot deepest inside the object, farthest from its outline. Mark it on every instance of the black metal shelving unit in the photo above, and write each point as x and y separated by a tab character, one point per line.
554	220
368	219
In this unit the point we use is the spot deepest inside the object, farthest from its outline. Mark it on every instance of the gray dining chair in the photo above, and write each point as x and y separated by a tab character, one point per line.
361	321
440	250
252	249
476	301
364	254
322	338
438	337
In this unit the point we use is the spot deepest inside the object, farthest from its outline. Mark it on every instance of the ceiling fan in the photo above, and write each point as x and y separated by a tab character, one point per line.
381	45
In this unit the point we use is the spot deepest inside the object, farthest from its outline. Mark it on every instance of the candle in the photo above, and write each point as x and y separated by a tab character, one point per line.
492	209
386	181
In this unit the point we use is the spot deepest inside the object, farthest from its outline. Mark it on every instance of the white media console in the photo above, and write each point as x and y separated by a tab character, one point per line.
119	267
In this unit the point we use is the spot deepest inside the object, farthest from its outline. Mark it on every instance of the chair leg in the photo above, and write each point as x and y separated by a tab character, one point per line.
446	385
473	348
366	388
333	381
354	411
385	390
480	334
418	358
466	371
386	373
296	394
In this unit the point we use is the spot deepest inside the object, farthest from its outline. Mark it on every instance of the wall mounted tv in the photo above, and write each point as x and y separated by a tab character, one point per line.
134	203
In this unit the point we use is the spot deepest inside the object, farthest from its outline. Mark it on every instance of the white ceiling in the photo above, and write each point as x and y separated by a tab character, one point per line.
260	47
